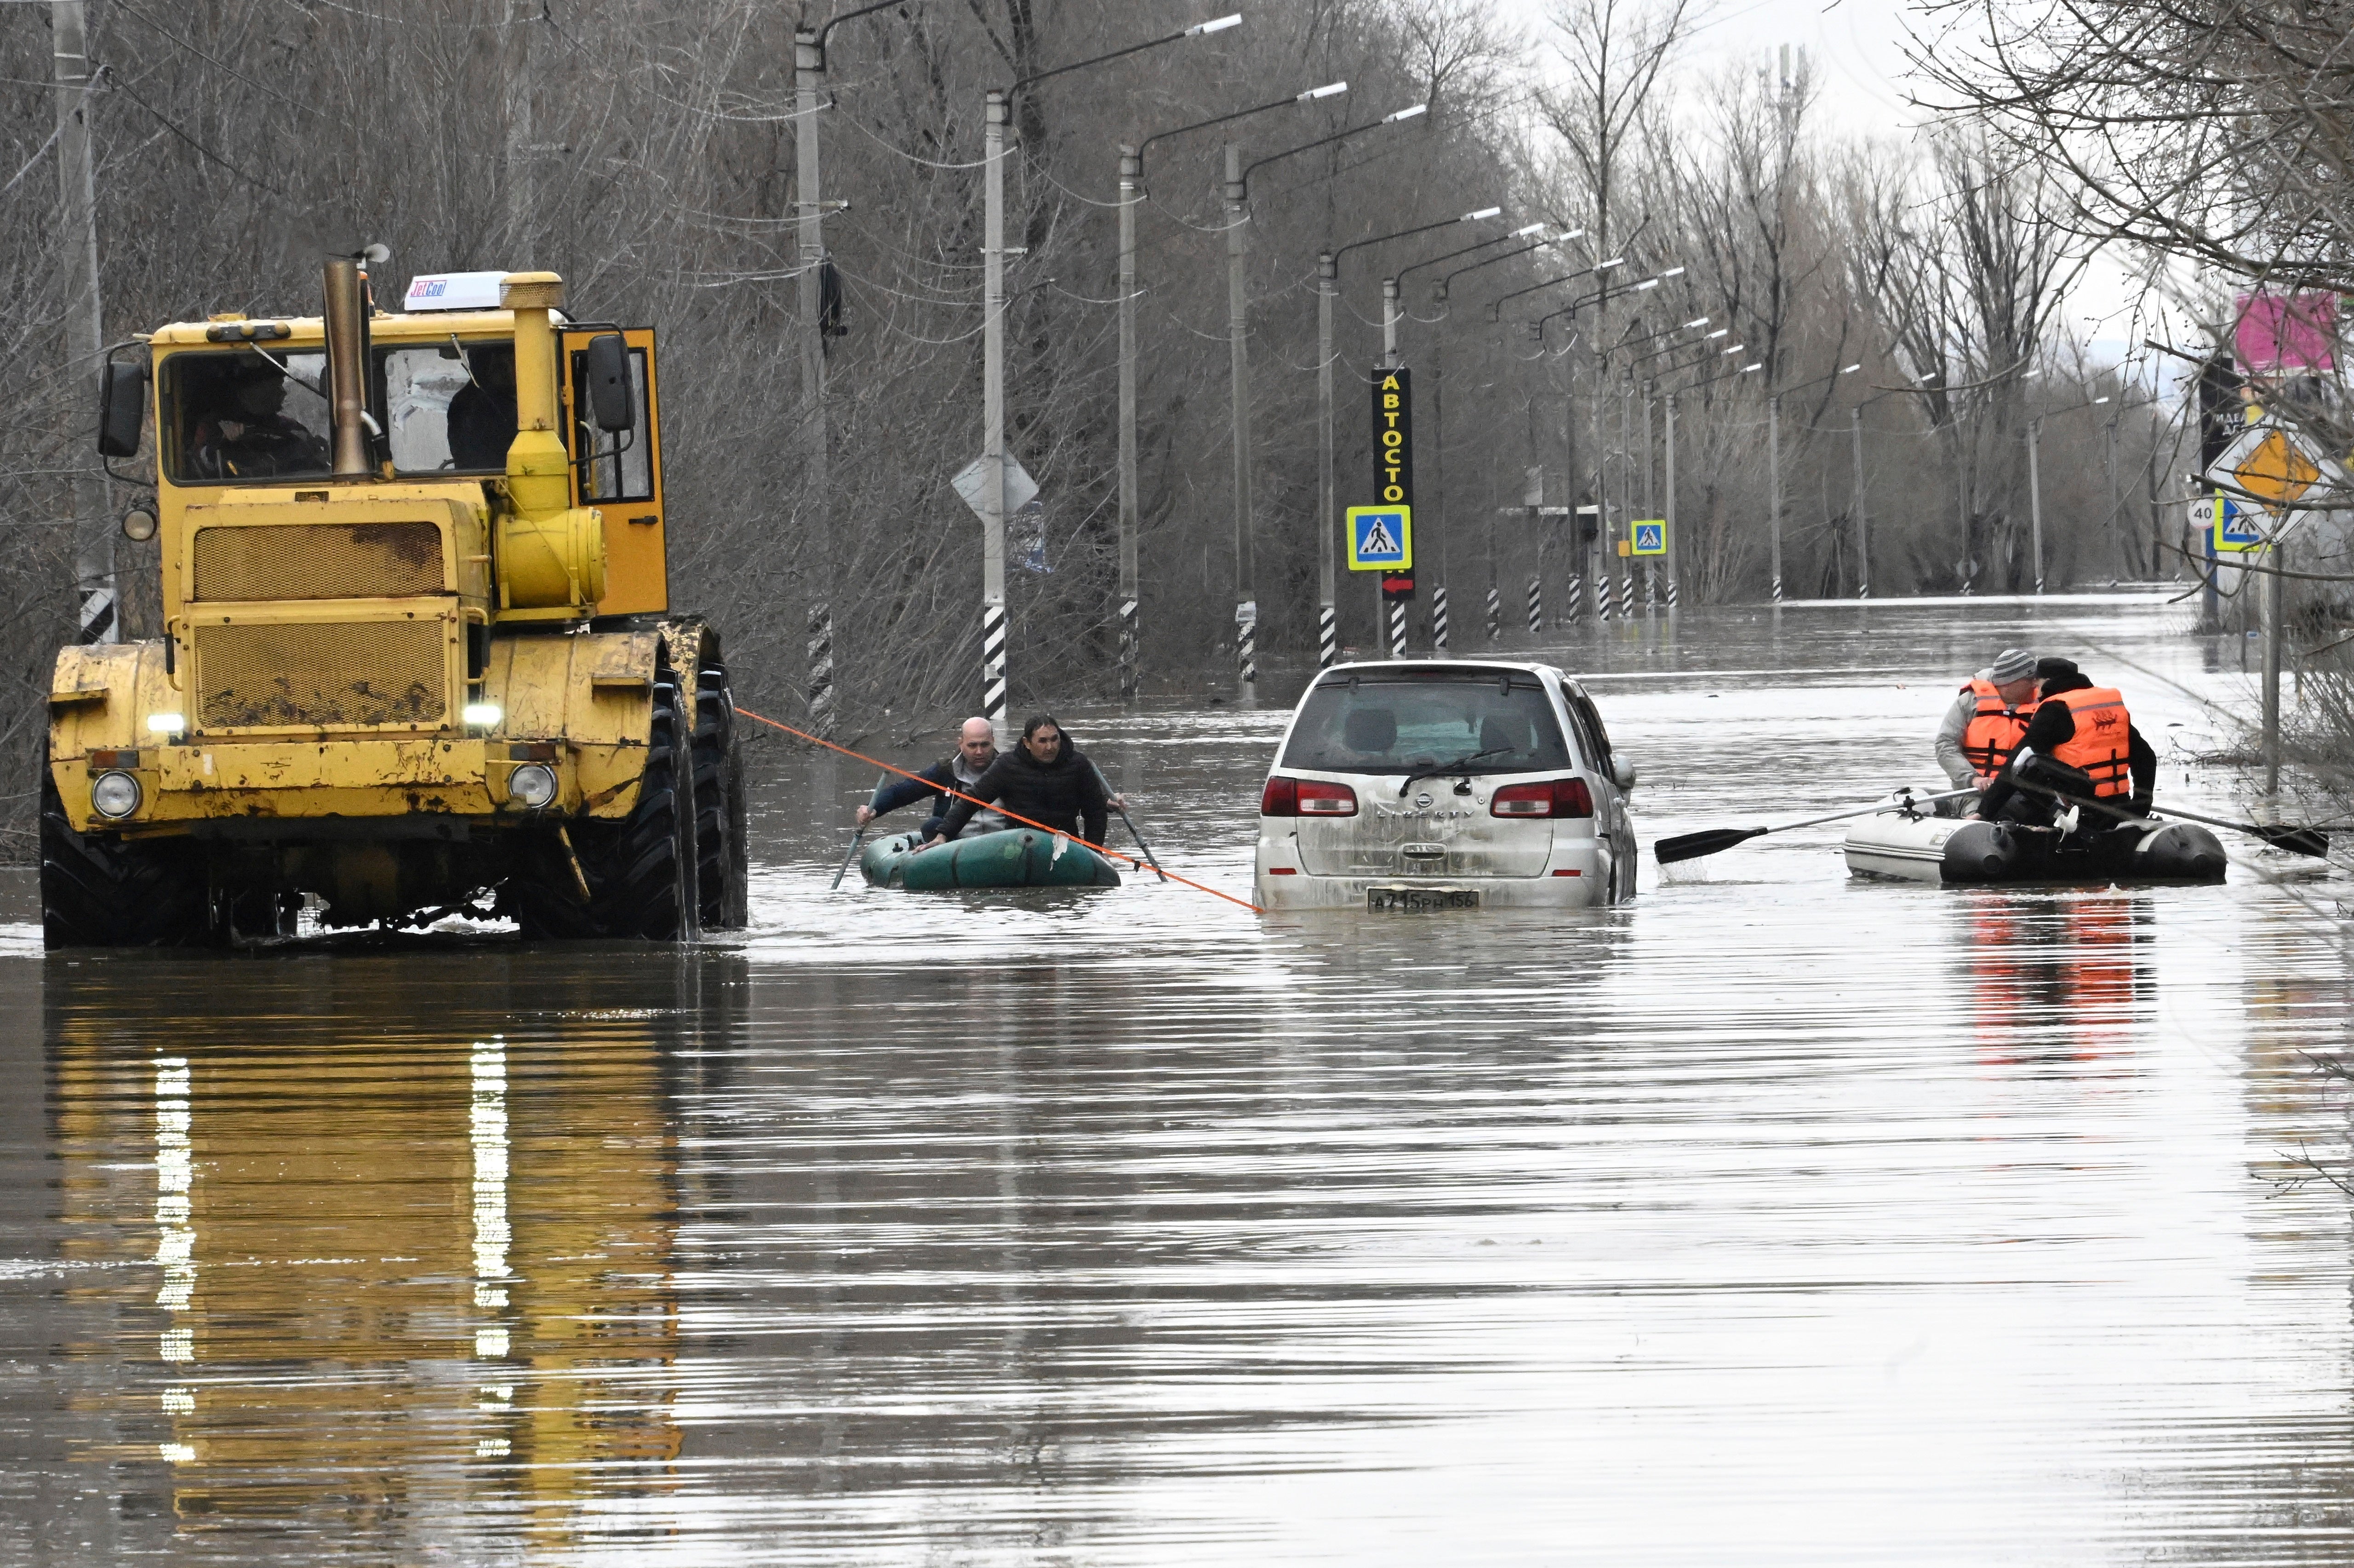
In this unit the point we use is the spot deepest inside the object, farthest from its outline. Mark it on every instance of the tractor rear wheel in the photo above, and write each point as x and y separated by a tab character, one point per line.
719	850
103	892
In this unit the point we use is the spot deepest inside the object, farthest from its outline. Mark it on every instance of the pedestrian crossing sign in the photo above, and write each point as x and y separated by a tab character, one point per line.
1651	537
1381	538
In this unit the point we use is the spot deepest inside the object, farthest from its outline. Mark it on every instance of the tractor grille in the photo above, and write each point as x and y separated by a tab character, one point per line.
334	676
319	560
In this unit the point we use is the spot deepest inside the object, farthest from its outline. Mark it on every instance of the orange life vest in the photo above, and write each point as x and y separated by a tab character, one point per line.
1992	734
2103	740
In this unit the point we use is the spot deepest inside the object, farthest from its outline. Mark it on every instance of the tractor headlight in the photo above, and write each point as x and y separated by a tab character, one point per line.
532	785
114	794
482	715
168	724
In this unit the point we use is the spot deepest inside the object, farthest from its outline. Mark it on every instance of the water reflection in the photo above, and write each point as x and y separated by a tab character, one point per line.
398	1272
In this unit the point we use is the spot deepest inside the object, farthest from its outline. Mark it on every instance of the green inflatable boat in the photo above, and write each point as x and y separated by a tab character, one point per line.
1017	857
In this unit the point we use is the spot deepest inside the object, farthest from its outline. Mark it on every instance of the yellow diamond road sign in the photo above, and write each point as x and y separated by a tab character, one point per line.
2276	470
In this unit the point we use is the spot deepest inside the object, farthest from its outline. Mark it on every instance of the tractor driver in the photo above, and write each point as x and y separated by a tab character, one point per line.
483	414
243	431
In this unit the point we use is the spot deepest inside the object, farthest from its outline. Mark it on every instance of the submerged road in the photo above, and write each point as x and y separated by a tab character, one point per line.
1777	1217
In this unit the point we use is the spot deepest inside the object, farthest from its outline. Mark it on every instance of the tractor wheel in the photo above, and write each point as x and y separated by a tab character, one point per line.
719	850
640	870
97	893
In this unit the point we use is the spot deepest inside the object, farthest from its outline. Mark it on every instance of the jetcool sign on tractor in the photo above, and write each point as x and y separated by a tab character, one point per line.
1394	458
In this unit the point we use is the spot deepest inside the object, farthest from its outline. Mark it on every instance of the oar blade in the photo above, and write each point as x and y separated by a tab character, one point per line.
1692	846
2297	841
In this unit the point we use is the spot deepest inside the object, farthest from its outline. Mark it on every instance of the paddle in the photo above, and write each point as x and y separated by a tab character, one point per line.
857	838
1692	846
1111	799
2297	840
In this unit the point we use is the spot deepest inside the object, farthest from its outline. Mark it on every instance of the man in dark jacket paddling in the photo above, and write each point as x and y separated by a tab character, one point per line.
1046	779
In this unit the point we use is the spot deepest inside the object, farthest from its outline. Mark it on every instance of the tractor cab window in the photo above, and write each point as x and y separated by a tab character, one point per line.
242	414
617	467
450	408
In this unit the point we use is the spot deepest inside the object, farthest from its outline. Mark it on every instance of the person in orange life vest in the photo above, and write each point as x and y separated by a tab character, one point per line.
2081	742
1980	731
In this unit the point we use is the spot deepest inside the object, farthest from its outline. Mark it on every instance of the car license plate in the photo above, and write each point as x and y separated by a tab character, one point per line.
1416	900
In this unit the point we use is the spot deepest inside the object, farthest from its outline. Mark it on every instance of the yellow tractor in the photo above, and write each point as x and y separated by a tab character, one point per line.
419	658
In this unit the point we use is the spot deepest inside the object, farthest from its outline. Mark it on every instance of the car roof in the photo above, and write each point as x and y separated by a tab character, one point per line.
1518	666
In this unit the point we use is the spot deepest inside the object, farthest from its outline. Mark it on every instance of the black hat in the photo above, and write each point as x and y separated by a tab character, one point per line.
2052	668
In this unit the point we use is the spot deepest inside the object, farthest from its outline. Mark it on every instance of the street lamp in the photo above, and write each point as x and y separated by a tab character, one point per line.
1440	292
809	75
992	306
1328	638
2035	479
1328	273
1774	463
1131	180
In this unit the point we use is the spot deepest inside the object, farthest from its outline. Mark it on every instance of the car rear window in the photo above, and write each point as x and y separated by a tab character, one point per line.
1406	720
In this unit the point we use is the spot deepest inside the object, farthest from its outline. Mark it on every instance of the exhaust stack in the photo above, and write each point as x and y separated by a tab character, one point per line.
346	366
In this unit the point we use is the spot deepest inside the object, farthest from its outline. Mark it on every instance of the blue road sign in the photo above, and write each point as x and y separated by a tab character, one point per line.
2239	524
1650	537
1381	538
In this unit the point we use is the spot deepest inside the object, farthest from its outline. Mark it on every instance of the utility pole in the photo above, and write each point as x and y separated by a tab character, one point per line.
1328	621
1385	604
84	313
1773	483
2274	607
809	70
1438	496
1131	180
1675	540
2109	469
1862	541
993	423
1238	358
1650	563
522	192
2035	501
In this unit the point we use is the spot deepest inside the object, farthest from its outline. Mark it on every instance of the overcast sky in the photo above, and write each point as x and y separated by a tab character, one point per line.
1858	48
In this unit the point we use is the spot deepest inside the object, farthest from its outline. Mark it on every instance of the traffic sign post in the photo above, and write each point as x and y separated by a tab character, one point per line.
1651	537
1380	539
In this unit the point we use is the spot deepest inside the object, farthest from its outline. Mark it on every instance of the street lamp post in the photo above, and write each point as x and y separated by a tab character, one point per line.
2035	483
1774	463
1328	638
809	82
996	107
1132	182
1329	278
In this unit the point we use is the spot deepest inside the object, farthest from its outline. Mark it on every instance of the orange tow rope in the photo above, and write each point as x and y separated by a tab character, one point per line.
985	805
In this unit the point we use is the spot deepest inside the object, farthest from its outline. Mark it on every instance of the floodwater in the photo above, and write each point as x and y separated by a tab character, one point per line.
1775	1218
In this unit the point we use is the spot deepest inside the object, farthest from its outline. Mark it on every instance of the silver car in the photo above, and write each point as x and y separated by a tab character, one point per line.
1444	784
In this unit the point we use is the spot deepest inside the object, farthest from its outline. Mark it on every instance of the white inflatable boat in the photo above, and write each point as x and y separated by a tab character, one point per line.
1903	842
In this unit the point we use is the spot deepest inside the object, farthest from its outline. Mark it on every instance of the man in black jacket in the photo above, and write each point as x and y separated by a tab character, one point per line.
1045	779
960	770
2042	757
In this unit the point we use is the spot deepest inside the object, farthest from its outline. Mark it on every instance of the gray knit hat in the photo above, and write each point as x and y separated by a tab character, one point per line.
2012	664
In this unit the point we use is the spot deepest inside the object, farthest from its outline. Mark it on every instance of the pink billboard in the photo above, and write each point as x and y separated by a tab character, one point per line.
2294	334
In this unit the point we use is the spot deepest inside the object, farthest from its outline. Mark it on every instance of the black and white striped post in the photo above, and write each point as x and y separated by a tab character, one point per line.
1328	637
821	668
1495	615
1128	650
98	608
1397	627
1536	604
993	666
1627	595
1438	619
1602	595
1246	647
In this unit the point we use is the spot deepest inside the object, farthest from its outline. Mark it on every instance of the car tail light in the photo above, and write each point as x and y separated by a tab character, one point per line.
1553	798
1306	797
